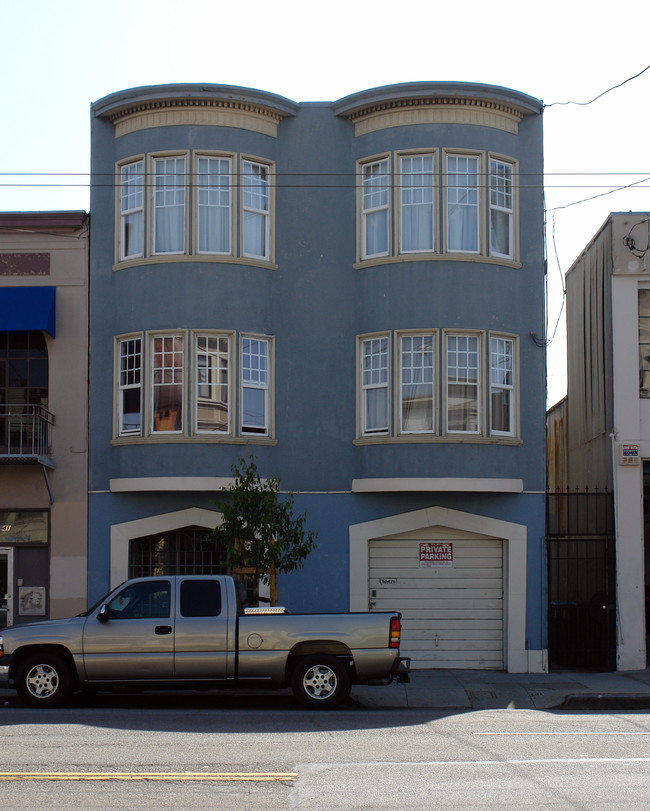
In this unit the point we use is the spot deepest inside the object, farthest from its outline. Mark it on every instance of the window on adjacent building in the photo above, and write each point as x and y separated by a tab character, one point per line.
169	205
255	386
167	384
131	237
463	216
255	210
417	203
214	204
644	343
375	198
463	383
502	385
501	209
417	382
129	405
375	385
212	356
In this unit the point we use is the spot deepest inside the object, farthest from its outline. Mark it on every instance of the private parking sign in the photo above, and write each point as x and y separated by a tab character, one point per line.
436	554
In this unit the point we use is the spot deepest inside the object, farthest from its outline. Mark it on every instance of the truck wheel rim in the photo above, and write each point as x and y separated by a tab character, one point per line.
42	681
320	682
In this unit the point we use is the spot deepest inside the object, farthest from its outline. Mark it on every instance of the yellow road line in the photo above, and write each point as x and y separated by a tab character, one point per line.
223	776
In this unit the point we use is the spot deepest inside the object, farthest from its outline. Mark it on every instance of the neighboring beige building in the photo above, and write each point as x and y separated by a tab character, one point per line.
43	414
600	436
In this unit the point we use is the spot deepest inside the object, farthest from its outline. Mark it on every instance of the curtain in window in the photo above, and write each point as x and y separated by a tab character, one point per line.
214	205
254	234
169	199
500	232
377	232
375	385
462	204
417	203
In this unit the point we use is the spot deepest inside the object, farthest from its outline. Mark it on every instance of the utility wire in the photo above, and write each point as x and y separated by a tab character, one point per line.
600	95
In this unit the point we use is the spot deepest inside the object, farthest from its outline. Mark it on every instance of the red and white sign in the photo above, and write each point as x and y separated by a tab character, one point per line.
436	554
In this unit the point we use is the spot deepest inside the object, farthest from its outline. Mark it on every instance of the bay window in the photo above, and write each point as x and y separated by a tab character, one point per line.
501	385
169	205
255	386
131	233
417	203
255	210
374	385
129	405
375	200
463	217
463	384
501	209
167	383
417	383
214	178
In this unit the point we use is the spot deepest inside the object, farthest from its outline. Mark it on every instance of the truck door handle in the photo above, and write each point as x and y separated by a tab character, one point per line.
163	629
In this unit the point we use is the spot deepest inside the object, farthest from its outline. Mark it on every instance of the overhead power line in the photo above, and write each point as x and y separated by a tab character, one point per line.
600	95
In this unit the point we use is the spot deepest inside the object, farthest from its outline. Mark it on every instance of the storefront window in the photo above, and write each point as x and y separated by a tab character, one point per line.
23	527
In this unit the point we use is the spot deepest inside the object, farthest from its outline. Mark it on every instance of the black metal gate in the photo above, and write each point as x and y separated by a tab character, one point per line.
581	559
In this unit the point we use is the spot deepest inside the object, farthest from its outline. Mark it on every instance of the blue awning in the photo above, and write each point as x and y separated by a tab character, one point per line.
27	308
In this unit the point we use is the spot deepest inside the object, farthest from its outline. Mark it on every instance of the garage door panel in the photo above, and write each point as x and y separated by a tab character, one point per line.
452	615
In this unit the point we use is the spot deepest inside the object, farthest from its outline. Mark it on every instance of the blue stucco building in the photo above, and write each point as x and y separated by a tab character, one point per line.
354	293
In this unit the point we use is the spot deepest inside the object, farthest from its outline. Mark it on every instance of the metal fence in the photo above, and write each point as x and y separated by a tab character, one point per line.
581	558
25	430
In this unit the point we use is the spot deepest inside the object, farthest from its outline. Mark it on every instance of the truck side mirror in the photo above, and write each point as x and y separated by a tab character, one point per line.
103	615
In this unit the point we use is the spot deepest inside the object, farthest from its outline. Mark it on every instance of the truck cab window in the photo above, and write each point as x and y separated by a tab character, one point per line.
150	599
200	598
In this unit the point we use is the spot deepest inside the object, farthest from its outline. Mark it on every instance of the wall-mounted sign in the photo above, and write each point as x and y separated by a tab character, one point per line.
630	455
436	554
31	601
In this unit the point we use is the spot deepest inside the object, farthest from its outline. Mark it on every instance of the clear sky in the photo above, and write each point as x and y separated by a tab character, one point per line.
56	57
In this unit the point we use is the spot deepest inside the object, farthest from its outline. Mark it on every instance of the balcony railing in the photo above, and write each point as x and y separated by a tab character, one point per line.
25	433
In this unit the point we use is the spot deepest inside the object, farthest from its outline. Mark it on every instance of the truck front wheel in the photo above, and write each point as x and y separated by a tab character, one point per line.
320	682
44	680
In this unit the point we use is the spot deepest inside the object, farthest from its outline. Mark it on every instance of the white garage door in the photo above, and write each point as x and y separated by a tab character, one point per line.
450	593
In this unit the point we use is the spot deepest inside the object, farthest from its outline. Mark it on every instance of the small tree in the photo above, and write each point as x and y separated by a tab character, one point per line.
259	531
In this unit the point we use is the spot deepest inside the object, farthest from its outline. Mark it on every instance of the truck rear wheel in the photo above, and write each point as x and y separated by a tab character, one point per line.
44	680
320	682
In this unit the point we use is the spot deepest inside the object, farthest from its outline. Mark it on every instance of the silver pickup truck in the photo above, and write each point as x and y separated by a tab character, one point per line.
192	632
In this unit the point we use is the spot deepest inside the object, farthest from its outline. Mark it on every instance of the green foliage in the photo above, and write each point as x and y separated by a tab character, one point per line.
259	530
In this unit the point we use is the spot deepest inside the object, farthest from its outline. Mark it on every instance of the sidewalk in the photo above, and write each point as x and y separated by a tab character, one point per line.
485	689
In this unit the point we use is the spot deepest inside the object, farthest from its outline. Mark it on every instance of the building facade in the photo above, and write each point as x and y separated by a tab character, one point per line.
43	414
348	292
602	429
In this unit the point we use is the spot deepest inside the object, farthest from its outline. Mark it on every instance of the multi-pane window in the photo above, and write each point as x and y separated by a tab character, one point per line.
130	386
417	384
463	229
131	210
255	209
254	385
374	385
169	205
644	343
212	356
463	384
167	384
502	385
375	197
501	209
214	205
417	203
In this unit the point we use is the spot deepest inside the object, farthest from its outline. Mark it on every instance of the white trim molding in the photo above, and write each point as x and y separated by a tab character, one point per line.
121	534
514	537
430	485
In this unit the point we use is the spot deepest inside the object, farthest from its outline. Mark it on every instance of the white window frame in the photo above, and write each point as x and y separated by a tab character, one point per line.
449	194
218	191
404	188
255	379
418	370
136	372
374	198
167	371
247	208
502	201
498	384
199	381
135	205
176	190
374	377
457	380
